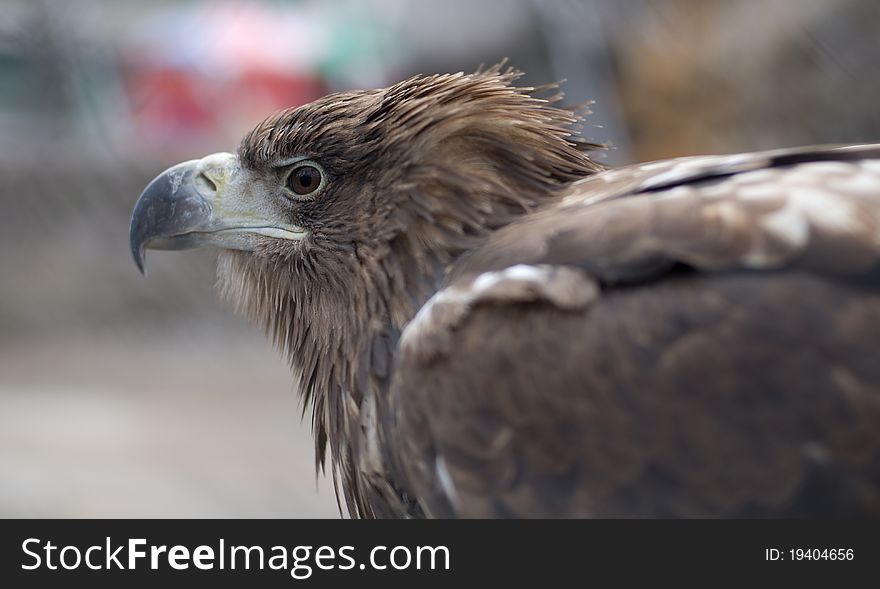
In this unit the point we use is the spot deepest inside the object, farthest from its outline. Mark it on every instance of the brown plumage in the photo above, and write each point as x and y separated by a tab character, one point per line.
484	322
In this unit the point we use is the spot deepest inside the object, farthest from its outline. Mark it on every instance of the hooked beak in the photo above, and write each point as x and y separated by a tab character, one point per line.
203	202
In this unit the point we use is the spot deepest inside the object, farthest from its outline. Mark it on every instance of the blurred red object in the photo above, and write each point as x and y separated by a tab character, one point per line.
184	109
198	77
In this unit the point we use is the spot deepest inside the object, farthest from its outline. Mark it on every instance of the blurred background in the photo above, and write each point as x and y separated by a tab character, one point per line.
121	396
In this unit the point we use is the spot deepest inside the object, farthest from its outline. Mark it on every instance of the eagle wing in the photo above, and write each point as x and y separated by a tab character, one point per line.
693	337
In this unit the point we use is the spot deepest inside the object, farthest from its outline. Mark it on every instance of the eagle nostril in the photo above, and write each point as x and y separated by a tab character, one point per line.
204	184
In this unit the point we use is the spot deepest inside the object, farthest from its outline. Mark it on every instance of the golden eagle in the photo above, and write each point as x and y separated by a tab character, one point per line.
487	323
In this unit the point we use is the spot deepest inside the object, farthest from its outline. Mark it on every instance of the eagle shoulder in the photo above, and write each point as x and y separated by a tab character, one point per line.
432	331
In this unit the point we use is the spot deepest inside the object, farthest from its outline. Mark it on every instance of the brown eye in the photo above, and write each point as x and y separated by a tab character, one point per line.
304	179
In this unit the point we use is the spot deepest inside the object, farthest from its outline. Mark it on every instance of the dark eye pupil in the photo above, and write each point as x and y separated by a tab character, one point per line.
304	177
304	180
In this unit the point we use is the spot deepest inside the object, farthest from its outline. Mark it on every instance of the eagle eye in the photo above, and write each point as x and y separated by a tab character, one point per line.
305	179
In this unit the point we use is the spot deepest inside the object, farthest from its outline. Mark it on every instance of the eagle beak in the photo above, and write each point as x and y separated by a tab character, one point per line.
202	202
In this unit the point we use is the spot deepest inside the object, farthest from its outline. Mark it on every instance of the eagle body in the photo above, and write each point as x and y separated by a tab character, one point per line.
716	332
486	323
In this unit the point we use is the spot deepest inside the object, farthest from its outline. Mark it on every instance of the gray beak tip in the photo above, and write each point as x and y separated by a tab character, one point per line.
136	239
139	262
137	249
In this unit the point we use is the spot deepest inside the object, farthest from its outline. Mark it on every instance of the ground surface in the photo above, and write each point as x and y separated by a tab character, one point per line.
197	423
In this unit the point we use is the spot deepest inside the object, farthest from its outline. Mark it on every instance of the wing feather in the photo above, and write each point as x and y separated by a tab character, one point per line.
687	338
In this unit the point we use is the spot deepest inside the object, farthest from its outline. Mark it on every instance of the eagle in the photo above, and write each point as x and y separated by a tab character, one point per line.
483	321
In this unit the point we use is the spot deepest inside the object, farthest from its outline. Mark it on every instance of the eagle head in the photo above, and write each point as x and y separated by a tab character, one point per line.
336	220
